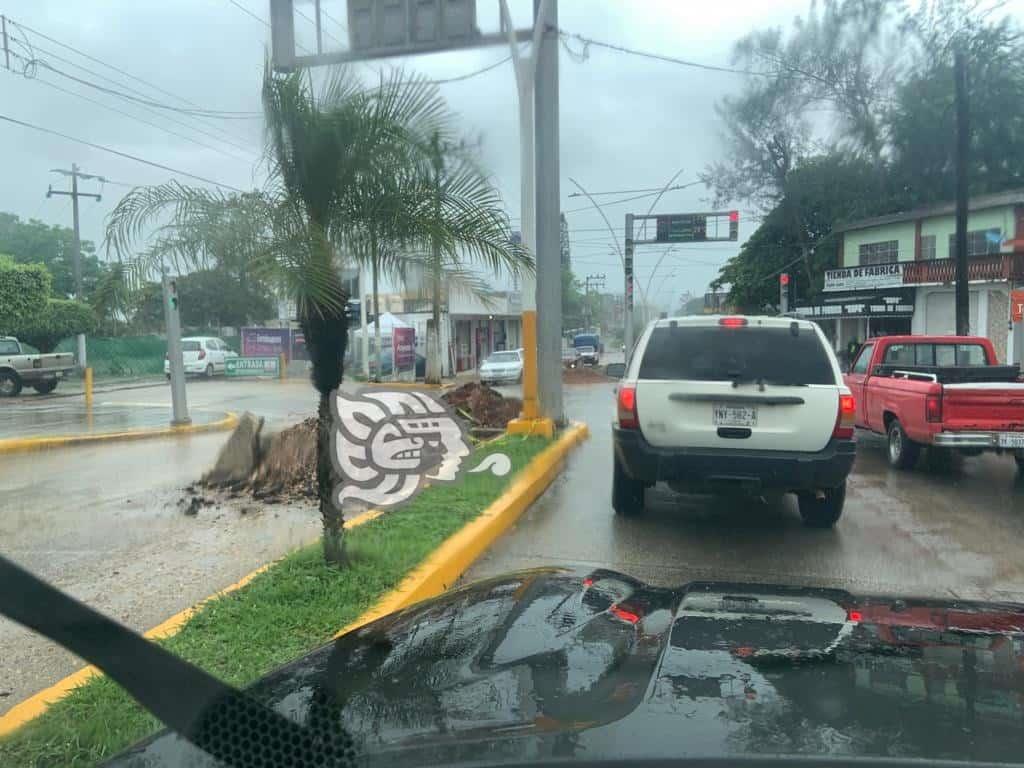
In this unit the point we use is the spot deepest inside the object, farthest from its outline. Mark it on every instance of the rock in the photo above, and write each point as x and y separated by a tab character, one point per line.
240	456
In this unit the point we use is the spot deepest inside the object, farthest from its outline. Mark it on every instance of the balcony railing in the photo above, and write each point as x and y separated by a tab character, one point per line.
1000	266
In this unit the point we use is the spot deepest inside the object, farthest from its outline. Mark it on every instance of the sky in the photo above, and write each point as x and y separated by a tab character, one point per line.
626	122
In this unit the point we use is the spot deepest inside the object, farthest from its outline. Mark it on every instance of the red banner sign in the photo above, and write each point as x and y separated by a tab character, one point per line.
404	342
1017	305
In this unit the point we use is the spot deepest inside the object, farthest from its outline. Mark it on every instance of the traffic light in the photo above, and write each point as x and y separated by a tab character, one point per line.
734	225
784	278
172	292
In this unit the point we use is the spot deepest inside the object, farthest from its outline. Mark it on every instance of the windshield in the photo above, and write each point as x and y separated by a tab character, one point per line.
514	325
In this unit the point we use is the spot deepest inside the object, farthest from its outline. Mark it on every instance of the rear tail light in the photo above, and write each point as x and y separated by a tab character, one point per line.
202	354
627	407
845	417
933	408
732	322
854	616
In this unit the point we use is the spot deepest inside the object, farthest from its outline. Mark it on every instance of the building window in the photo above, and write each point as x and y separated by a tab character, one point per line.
981	242
879	253
927	247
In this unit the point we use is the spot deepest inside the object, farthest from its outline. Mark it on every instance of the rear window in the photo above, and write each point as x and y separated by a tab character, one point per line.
190	346
722	354
935	354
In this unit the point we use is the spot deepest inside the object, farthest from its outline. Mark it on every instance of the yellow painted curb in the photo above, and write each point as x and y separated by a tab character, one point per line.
449	561
25	444
38	703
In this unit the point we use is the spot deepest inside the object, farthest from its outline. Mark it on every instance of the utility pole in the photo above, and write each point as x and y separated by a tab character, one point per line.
549	260
627	309
598	282
963	140
74	194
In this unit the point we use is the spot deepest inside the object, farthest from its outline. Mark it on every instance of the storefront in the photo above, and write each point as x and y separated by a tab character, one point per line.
853	316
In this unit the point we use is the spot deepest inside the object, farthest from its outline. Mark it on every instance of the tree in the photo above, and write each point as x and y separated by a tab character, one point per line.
24	289
34	242
466	225
346	176
211	298
58	319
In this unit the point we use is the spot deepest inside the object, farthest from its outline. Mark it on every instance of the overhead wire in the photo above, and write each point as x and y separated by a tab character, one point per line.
118	153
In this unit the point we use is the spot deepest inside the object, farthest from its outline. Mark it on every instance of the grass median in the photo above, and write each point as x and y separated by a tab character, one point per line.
293	607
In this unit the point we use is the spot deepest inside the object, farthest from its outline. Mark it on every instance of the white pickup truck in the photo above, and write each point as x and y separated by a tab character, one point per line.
39	371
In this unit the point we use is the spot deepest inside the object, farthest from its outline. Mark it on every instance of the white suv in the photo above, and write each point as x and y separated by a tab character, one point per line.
734	403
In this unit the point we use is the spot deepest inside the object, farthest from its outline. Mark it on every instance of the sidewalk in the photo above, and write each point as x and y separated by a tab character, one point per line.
75	387
43	420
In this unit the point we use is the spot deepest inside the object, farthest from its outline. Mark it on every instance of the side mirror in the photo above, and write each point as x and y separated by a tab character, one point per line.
615	370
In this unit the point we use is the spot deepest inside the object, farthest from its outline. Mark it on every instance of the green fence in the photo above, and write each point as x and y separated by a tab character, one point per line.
122	357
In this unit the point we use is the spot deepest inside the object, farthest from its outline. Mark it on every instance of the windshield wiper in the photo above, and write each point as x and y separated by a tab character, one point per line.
218	719
738	378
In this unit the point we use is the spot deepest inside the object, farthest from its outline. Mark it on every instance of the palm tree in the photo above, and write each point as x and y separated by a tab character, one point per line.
348	174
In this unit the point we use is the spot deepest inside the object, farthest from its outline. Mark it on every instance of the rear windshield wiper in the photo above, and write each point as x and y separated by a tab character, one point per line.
739	378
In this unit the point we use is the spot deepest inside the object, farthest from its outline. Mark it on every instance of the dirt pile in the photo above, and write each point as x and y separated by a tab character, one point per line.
583	374
287	469
482	406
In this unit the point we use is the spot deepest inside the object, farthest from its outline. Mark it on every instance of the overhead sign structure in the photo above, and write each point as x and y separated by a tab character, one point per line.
865	277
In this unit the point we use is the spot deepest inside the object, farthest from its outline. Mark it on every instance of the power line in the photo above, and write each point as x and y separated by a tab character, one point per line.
589	41
114	68
322	29
488	68
119	153
138	119
213	127
266	23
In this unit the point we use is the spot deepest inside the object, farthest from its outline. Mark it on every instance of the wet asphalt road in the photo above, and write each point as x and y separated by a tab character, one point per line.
956	532
104	523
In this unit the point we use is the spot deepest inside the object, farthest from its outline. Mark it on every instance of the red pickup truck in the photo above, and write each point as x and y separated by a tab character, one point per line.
938	391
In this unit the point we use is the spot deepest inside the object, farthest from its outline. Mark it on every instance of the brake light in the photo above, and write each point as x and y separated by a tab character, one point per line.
933	408
202	354
854	616
621	613
588	582
628	418
845	417
732	322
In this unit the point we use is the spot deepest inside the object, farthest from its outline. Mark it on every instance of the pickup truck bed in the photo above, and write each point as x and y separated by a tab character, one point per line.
969	407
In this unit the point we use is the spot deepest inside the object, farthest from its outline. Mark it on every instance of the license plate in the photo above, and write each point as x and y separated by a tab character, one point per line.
1011	439
734	415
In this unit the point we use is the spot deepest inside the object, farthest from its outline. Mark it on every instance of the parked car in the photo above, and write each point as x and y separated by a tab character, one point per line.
502	367
202	355
753	405
386	361
938	391
42	372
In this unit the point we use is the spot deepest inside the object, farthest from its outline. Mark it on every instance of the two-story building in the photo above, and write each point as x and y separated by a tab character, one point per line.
898	274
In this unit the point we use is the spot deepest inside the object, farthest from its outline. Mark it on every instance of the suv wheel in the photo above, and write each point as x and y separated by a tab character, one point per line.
822	512
903	451
627	493
209	371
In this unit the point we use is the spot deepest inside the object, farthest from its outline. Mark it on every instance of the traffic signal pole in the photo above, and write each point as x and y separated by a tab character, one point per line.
530	420
179	403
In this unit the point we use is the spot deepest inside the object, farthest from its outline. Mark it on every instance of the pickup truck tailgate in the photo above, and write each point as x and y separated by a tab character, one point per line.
58	361
986	406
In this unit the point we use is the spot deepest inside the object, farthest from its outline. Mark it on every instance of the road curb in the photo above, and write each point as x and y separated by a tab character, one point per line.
27	444
447	563
36	704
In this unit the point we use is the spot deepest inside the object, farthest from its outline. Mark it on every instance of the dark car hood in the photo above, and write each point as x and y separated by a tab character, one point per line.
553	663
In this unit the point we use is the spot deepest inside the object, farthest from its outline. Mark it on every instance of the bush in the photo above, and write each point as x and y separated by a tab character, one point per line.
58	319
24	289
